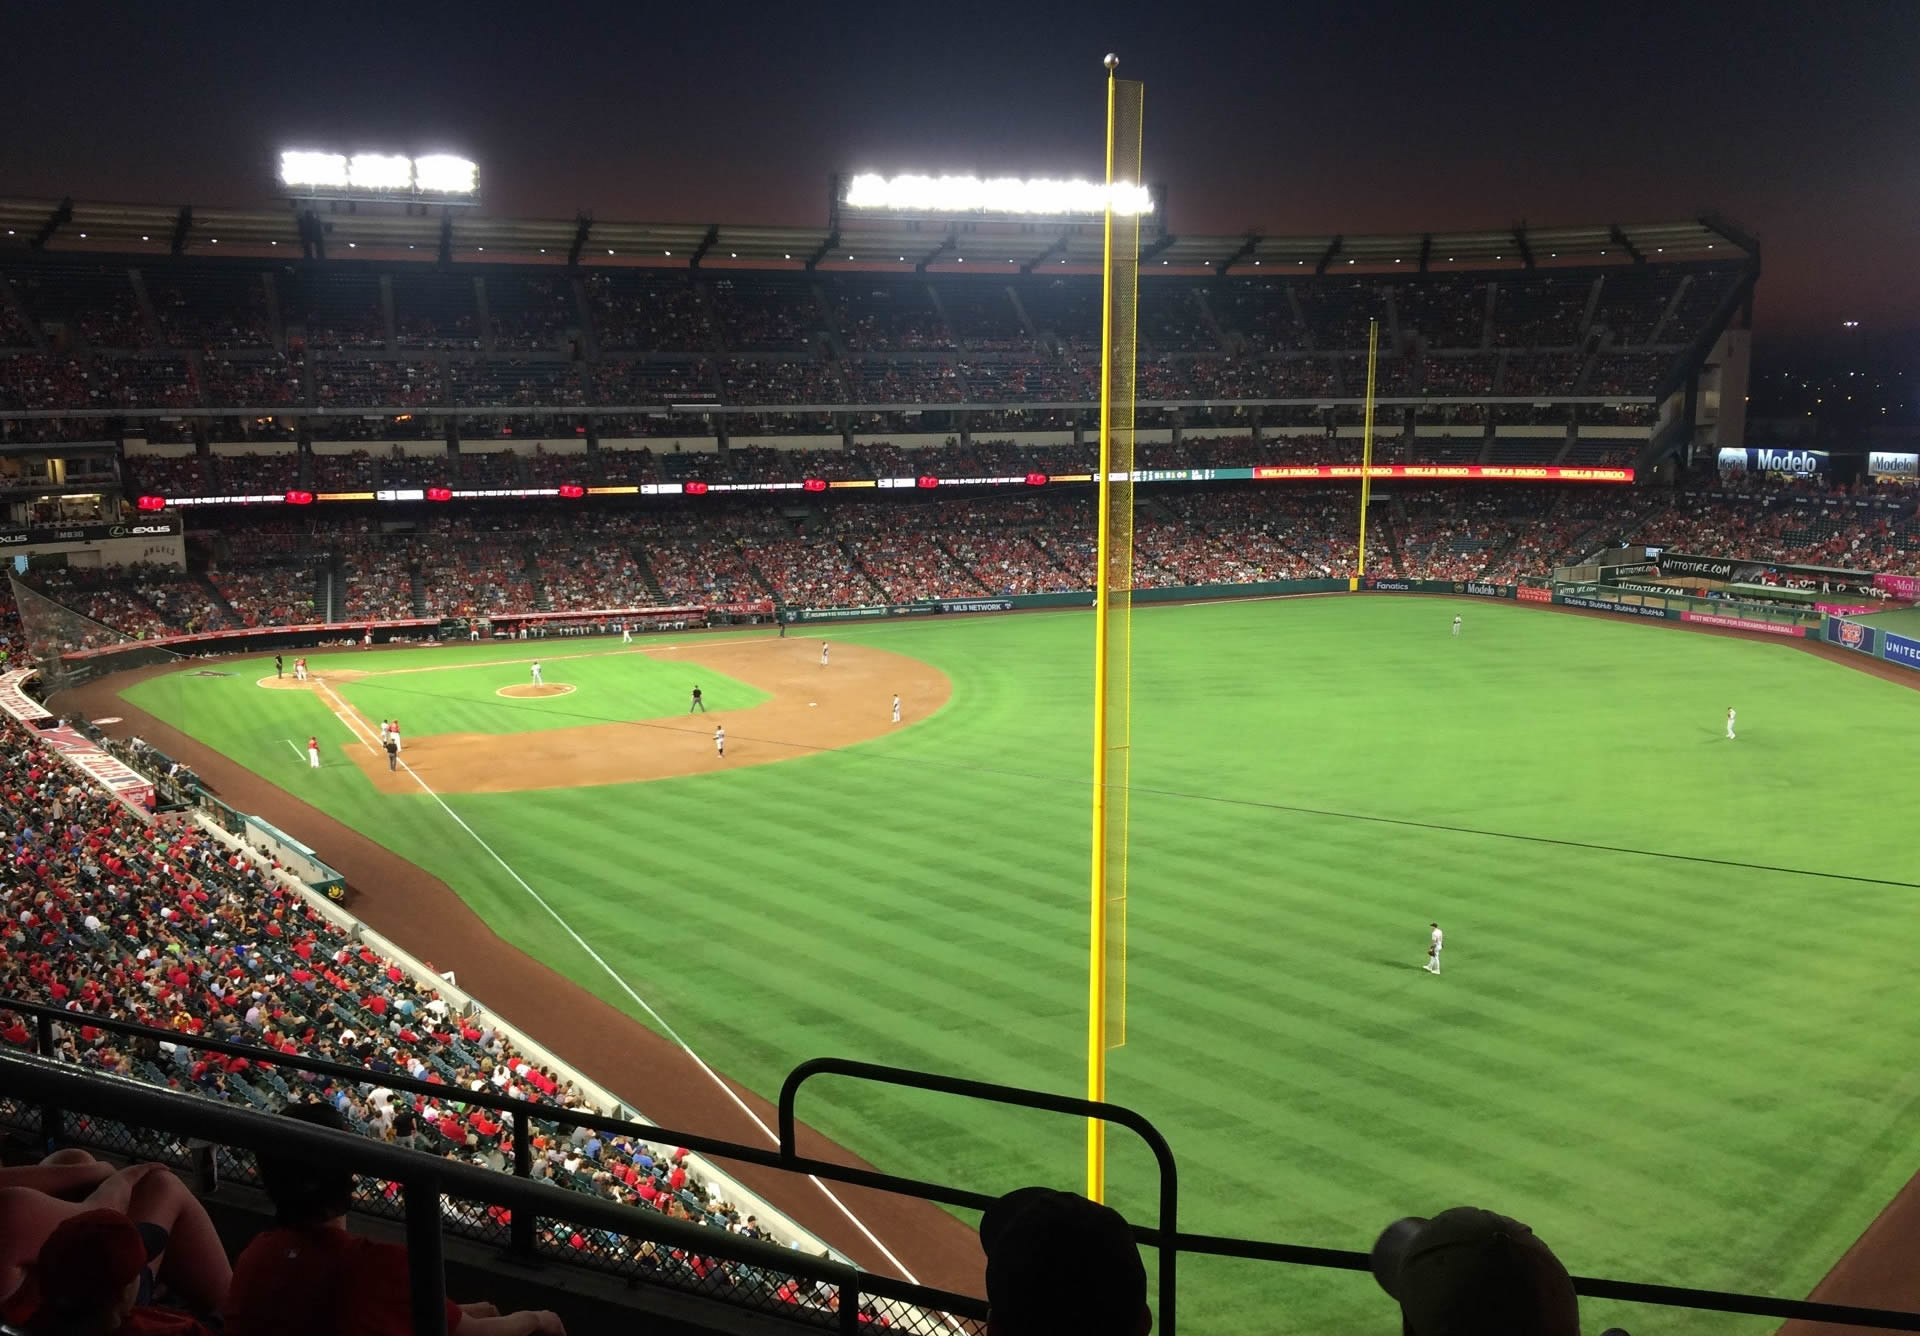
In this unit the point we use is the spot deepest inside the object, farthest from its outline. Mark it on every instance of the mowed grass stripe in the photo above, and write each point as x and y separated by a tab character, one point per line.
1675	1071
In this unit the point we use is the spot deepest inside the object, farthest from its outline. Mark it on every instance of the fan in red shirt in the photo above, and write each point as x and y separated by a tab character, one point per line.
309	1277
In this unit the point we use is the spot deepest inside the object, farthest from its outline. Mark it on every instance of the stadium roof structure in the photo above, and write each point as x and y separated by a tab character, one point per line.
858	243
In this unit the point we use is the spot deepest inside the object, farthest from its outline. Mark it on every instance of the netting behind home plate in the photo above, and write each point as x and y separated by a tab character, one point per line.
69	647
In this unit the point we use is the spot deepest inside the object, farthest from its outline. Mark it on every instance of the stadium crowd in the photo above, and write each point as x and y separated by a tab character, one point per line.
153	920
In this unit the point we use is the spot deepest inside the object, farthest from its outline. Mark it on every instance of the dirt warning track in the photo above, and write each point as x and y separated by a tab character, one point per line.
813	709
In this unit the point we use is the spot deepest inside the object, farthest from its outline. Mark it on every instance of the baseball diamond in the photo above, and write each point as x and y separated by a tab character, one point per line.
1672	917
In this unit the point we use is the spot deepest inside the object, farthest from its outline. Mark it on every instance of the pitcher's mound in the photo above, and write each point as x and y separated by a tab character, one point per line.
526	689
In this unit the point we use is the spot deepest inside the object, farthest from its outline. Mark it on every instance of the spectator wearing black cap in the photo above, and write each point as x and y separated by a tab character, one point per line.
1469	1272
1056	1263
94	1278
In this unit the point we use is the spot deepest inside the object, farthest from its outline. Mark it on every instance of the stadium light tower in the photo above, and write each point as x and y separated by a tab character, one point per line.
325	174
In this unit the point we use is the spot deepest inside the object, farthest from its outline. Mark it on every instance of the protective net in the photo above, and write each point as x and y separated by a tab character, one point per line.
69	647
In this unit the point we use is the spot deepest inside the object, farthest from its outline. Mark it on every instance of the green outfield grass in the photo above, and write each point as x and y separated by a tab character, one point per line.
1661	1038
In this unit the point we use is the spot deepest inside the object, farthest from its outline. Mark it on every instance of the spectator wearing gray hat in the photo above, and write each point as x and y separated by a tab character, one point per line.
1057	1262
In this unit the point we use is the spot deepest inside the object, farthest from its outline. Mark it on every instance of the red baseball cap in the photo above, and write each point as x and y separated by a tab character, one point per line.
91	1257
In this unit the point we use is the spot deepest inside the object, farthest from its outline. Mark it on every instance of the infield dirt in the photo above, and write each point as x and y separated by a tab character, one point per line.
812	709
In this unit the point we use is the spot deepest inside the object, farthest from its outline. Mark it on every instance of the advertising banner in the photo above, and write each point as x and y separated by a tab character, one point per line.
1614	574
89	533
1747	624
1890	464
1797	462
1849	635
1481	589
976	605
1900	586
1902	650
1849	609
1641	587
1603	605
1390	586
1825	579
839	614
1479	472
1533	594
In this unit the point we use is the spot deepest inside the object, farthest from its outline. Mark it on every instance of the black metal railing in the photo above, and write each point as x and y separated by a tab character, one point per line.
1164	1236
429	1183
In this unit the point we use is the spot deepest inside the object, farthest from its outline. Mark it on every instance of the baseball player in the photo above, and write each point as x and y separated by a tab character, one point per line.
626	634
278	665
536	674
1456	624
392	746
366	641
1433	950
720	741
698	703
1729	723
393	735
300	669
896	709
313	752
385	729
823	654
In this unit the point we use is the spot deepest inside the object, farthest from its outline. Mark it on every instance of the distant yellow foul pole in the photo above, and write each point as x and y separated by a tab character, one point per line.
1366	439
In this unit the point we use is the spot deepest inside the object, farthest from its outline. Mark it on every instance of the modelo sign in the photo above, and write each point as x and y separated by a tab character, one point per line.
1768	460
1888	464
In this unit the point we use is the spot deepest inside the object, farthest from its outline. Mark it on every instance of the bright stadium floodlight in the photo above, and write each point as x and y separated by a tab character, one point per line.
997	195
302	168
379	171
445	174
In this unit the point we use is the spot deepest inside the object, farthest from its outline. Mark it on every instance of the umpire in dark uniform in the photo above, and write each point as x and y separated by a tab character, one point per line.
277	662
698	703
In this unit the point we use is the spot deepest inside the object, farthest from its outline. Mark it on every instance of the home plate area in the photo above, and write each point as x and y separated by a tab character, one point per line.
810	709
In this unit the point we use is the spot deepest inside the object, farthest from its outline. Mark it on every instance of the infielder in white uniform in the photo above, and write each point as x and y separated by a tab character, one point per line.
720	741
896	709
1729	723
626	635
1433	951
823	654
1456	626
313	752
536	673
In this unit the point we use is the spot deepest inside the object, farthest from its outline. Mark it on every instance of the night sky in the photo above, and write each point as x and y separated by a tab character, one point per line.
1801	121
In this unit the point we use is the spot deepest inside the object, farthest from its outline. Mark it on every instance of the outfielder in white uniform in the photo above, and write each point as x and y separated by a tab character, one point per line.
536	673
896	709
823	654
1456	626
720	741
626	635
1729	723
1433	951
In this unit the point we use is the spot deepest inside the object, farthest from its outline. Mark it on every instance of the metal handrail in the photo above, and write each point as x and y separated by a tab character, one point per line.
428	1179
786	1159
1029	1099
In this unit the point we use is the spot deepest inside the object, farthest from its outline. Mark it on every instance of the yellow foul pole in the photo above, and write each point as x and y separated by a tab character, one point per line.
1097	981
1366	439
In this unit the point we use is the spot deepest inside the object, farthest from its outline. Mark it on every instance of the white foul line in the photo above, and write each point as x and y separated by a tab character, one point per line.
298	755
642	1002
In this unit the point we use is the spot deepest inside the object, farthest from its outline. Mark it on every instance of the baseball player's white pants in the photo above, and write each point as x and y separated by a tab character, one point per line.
313	757
1729	730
